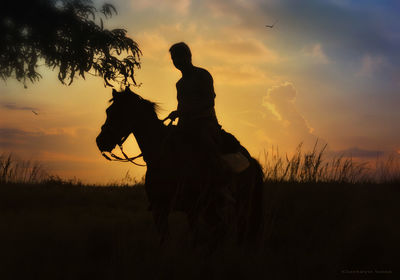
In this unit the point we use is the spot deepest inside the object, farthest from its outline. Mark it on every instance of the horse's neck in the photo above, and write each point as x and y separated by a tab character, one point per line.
149	137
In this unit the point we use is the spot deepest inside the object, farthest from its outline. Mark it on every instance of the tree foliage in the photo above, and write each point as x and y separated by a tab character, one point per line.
67	35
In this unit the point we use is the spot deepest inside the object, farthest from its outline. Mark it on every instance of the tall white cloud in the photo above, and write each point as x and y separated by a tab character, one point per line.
287	122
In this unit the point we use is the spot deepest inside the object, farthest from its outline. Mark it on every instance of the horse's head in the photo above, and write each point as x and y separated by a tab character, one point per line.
125	114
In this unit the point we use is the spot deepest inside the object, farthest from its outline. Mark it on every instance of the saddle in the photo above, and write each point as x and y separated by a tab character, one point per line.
236	157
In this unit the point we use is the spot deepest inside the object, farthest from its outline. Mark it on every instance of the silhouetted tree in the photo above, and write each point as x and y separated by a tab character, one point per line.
66	35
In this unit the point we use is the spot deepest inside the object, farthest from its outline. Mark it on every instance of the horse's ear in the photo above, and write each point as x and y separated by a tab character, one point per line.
114	93
127	89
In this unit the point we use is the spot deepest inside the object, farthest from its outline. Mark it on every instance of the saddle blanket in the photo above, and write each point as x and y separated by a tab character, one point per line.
237	162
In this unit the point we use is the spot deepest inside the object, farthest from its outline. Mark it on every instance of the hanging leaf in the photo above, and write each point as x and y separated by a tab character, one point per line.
66	37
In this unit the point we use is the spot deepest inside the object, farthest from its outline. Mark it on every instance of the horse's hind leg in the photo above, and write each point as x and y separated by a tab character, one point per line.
209	219
250	208
160	214
256	206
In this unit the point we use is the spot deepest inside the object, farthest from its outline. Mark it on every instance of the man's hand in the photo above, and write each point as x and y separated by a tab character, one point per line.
172	116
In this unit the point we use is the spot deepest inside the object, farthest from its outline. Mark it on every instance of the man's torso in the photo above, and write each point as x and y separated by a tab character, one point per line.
195	94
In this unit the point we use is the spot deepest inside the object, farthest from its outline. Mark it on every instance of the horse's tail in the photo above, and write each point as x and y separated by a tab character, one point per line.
256	221
251	208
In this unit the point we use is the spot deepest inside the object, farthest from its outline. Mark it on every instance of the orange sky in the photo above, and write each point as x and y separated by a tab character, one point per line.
297	82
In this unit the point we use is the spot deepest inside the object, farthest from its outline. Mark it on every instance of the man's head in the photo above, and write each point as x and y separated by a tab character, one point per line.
181	55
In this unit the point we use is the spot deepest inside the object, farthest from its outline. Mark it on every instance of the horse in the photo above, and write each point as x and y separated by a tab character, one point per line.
171	185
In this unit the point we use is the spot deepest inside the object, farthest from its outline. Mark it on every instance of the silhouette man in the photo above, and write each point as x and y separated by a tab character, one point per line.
195	93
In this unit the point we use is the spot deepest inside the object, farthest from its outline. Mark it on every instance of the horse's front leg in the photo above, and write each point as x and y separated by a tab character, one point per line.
158	203
160	215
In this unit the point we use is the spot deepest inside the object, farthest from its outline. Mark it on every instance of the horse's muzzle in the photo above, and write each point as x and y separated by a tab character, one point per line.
104	142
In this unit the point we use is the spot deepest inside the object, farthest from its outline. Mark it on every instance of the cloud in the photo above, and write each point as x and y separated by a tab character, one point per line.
280	101
264	136
153	44
64	154
317	54
239	75
178	6
346	30
370	65
246	123
11	136
38	142
283	121
354	28
357	152
243	50
13	106
228	8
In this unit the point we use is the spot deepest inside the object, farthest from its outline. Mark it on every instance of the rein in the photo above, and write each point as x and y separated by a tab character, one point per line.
114	157
126	158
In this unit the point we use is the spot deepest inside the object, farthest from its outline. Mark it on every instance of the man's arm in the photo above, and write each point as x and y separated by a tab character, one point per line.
207	91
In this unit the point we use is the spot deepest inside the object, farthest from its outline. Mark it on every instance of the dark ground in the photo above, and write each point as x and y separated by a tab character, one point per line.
313	231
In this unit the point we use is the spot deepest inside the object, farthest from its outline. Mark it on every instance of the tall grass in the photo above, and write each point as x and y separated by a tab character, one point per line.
302	167
21	171
314	167
387	170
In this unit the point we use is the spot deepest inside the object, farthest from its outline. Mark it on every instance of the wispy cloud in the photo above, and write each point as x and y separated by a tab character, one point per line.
153	44
239	75
13	106
12	139
357	152
249	50
178	6
370	65
316	53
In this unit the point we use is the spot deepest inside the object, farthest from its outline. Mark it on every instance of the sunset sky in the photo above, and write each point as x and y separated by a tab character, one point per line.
328	70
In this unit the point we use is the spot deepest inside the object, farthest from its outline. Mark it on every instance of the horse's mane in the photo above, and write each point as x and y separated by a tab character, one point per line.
153	106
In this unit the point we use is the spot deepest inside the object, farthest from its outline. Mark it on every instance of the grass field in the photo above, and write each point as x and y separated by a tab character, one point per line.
314	229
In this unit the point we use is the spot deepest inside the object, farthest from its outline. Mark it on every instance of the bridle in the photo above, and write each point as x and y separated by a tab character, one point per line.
114	157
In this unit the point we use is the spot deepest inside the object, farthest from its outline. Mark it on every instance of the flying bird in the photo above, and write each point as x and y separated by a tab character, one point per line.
272	26
35	113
